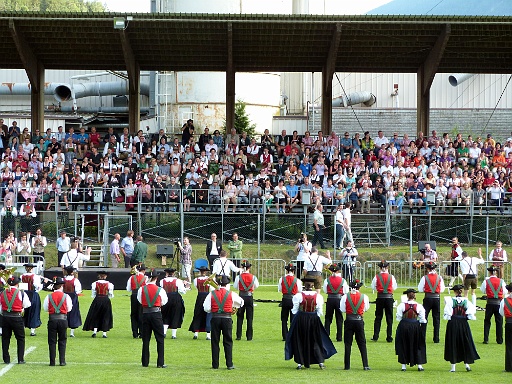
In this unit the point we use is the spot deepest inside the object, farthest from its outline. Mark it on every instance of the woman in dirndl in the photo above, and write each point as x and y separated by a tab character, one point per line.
100	315
73	287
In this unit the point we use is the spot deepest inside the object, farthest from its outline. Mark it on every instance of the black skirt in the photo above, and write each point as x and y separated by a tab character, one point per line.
453	269
410	343
307	341
199	320
74	316
32	316
99	315
174	311
458	343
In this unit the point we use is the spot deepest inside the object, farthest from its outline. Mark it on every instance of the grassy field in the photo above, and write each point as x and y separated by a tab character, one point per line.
117	359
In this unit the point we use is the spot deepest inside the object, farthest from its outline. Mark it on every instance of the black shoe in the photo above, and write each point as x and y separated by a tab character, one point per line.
321	365
367	368
161	366
390	340
468	369
403	369
173	337
195	338
238	338
421	369
299	367
22	362
486	341
145	366
62	364
104	336
93	335
346	369
374	339
52	364
436	341
215	367
232	367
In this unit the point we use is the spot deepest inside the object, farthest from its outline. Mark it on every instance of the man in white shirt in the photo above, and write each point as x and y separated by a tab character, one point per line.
222	266
314	265
469	269
74	258
495	193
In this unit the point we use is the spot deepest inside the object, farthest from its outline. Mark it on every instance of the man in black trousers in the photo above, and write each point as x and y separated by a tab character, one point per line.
12	302
213	248
385	284
152	299
57	304
220	303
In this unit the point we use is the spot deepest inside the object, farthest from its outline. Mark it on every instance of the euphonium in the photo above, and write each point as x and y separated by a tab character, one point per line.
211	281
6	273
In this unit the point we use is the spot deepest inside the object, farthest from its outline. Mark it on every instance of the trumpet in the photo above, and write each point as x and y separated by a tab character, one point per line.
211	281
6	273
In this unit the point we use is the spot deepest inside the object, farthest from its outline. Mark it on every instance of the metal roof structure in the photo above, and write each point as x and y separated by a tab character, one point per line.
209	42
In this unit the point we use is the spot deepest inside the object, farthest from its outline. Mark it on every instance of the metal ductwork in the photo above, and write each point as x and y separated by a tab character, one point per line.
458	78
69	108
67	92
365	97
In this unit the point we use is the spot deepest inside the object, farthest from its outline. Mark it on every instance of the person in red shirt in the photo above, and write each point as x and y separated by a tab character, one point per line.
57	304
433	285
288	285
134	283
12	304
335	286
506	312
152	298
355	304
100	311
246	283
385	284
494	289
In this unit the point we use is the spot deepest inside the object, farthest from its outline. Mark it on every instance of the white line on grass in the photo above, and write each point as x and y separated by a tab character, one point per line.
10	365
79	363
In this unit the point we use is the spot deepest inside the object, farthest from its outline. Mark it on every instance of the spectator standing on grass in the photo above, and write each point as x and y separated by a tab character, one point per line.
115	251
318	226
140	252
186	260
235	247
63	245
126	248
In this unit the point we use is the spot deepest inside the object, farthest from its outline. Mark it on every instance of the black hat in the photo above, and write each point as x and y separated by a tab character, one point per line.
508	287
69	269
13	280
246	264
2	267
170	271
290	267
383	264
410	290
308	280
335	267
58	280
430	265
356	284
102	273
201	268
458	287
141	267
29	265
223	280
493	268
153	273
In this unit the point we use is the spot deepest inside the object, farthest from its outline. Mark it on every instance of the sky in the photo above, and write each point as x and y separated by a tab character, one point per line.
262	6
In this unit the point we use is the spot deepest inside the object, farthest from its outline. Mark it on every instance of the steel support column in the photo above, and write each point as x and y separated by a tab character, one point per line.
133	70
35	73
425	77
327	75
230	82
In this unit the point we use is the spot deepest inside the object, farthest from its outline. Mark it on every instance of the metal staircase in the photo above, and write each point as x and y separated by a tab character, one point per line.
370	230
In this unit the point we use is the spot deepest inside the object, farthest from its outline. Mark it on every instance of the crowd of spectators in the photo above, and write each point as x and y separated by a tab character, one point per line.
211	171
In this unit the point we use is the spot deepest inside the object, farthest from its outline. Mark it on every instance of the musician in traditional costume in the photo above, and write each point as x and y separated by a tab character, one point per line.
8	213
494	289
433	285
12	304
72	287
455	255
458	343
498	256
307	341
152	298
335	286
136	281
57	304
288	285
38	242
174	311
506	312
200	320
385	284
221	303
27	214
246	283
354	304
32	317
100	312
410	345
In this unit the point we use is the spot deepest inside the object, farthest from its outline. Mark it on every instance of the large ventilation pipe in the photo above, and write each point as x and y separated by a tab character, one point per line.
69	108
366	98
66	92
458	78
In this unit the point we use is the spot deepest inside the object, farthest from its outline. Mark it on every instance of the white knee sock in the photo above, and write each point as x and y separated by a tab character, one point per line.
165	329
452	279
95	330
72	332
404	367
420	366
208	335
104	333
467	365
473	299
196	334
453	368
32	330
173	331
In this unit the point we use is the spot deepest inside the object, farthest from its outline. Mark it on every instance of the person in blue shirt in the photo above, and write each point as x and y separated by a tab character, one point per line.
415	196
293	194
305	167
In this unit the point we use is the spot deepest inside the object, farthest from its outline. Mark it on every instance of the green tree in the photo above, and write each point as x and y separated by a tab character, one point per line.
53	6
242	121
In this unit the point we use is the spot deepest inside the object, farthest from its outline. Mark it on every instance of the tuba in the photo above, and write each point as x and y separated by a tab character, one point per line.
211	281
133	271
6	273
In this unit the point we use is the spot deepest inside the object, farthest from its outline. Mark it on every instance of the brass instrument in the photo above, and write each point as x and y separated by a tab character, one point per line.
211	281
6	273
417	264
133	271
326	268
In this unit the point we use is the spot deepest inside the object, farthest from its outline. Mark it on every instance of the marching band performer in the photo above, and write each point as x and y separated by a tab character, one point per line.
494	289
39	242
27	213
335	286
32	317
385	284
506	311
307	341
57	304
432	284
136	281
246	283
288	285
100	311
174	311
456	254
458	344
200	321
73	287
410	344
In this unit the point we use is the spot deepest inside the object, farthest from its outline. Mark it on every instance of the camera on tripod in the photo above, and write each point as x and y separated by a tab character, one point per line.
176	242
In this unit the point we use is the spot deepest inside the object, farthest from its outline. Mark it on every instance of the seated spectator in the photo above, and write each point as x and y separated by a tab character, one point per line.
495	194
229	196
415	196
441	193
364	195
453	196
